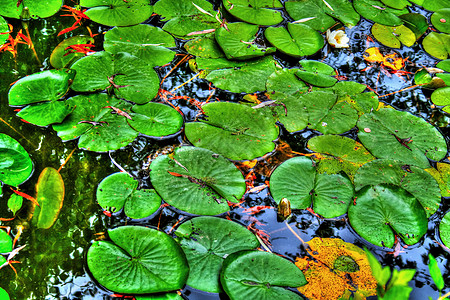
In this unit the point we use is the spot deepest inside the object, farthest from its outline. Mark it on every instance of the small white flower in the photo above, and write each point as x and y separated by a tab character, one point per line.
337	38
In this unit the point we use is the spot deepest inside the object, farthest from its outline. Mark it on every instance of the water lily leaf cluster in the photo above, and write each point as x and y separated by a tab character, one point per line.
15	163
441	80
36	9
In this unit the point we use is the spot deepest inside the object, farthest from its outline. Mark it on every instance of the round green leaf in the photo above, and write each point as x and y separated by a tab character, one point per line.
375	11
204	46
441	96
297	180
292	113
49	85
148	261
207	241
118	12
234	130
15	203
4	31
15	163
434	5
255	11
413	179
62	57
283	81
260	275
197	181
382	211
123	72
298	40
98	128
142	204
437	45
393	37
445	78
50	196
352	93
3	294
237	39
45	113
444	65
444	229
401	136
316	73
37	9
146	42
5	242
186	18
416	22
114	190
155	119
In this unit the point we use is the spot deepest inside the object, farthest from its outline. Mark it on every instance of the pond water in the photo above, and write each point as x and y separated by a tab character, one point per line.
53	263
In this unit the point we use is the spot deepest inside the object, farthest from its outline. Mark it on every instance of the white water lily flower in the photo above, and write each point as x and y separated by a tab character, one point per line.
337	38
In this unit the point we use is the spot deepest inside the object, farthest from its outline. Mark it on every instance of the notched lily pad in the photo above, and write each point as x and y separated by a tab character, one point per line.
148	260
197	180
297	180
441	20
15	163
393	37
316	73
260	12
437	45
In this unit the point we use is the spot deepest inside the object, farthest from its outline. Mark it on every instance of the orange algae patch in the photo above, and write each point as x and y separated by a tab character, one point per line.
329	279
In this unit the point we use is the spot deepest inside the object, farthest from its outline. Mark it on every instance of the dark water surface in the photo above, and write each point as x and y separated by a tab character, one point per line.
53	262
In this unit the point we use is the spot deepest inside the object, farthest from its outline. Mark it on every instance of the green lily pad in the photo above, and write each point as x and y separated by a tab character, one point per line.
352	92
416	22
204	46
432	5
297	180
316	73
187	17
323	16
397	4
15	203
15	163
62	57
283	81
4	31
381	212
379	13
148	260
4	295
37	9
297	40
441	96
160	296
291	112
401	136
5	242
445	78
99	130
394	37
146	42
444	229
339	153
258	12
441	20
238	77
118	190
117	12
237	40
234	130
207	241
260	275
444	65
413	179
126	74
442	176
50	195
437	45
197	181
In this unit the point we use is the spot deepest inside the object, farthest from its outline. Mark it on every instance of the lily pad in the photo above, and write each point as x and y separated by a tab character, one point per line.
335	269
283	81
5	242
444	229
207	241
236	131
160	296
123	72
204	46
413	179
441	97
119	190
15	203
316	73
397	4
62	57
146	42
37	9
238	77
117	12
352	92
197	181
339	153
15	163
375	11
437	45
297	180
442	176
4	294
148	260
187	17
432	5
258	12
4	31
50	196
237	41
416	22
401	136
323	16
240	281
297	40
394	37
382	211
